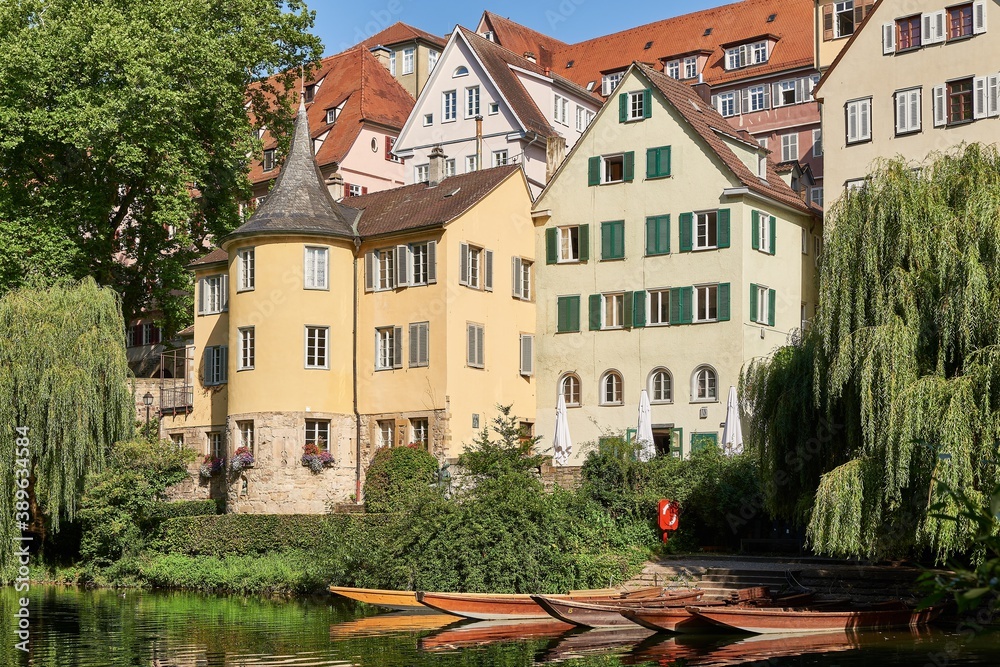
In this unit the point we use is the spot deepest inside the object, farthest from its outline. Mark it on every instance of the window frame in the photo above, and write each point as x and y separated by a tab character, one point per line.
269	162
473	101
567	231
696	384
499	161
661	297
247	427
560	110
409	60
968	95
242	256
790	145
325	285
471	163
319	428
898	29
843	8
618	309
904	96
727	97
419	169
384	426
650	386
449	103
711	223
635	105
861	103
609	82
697	303
385	349
415	438
570	403
247	337
949	21
618	394
606	161
673	69
691	67
326	347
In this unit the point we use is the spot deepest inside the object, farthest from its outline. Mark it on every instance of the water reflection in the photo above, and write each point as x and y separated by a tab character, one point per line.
74	628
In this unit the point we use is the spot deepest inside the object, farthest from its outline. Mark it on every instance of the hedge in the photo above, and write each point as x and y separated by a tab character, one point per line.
180	508
242	534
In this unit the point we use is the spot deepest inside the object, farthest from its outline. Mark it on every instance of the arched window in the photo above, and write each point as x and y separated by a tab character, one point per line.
569	386
661	386
461	70
705	384
612	391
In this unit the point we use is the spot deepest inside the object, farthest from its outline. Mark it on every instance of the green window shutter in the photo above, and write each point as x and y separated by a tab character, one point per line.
618	236
629	167
606	240
675	305
677	443
574	313
568	314
652	162
647	103
686	231
627	316
664	234
755	229
594	171
652	228
658	235
562	314
551	245
773	227
584	240
595	312
771	298
723	302
639	308
753	302
687	305
623	107
666	161
723	230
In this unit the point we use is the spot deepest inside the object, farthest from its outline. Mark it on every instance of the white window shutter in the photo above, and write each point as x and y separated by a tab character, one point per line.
402	266
715	103
802	90
978	17
321	264
915	99
979	103
745	100
939	25
488	274
224	291
397	342
370	271
310	264
775	95
901	111
993	95
414	345
866	119
888	38
940	106
201	296
463	276
481	345
515	277
767	97
431	262
527	356
470	335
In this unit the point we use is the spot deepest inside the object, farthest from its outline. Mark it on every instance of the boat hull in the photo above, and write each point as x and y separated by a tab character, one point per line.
778	621
489	607
607	614
667	619
399	600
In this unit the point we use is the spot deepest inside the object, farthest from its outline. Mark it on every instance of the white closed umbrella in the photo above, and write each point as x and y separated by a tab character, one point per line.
644	430
732	434
562	444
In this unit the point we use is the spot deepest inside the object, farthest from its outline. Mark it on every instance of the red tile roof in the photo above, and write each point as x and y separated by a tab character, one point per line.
214	256
400	32
369	93
521	39
418	206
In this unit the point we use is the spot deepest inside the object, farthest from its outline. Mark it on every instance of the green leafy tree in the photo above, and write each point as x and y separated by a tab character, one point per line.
898	383
64	376
396	476
124	139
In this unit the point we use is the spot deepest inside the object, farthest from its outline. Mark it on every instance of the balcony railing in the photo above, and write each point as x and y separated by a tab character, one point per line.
177	380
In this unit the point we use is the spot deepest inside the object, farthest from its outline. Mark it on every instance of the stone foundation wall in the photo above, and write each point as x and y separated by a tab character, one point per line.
438	435
140	386
567	477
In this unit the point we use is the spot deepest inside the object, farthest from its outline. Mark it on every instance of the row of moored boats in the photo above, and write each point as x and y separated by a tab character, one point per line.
754	610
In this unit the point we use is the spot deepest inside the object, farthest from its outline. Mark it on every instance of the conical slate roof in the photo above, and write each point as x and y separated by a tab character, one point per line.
299	202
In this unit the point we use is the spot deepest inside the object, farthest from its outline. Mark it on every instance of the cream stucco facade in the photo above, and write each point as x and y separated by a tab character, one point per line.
699	181
951	84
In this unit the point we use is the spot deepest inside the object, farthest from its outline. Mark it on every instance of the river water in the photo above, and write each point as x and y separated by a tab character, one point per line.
77	628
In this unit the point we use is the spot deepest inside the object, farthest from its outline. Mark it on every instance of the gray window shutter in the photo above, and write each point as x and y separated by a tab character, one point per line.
432	262
402	266
488	277
397	343
223	363
370	271
775	94
767	97
801	90
481	345
425	346
414	345
745	103
208	363
527	359
515	277
470	336
224	291
463	274
201	296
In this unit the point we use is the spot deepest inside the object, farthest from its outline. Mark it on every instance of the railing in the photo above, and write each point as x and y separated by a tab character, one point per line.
173	399
177	380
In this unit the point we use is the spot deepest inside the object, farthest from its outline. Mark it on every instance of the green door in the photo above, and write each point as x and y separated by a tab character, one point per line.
700	441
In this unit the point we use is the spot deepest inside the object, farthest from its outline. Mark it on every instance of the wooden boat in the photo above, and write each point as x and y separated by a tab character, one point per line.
492	607
480	633
679	619
607	614
399	600
822	619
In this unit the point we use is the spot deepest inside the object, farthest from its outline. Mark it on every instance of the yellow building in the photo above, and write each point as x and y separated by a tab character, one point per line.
387	319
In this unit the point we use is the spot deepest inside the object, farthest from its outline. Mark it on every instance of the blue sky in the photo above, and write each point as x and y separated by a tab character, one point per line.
341	24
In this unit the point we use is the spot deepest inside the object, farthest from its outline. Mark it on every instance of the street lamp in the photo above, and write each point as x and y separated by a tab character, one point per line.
148	400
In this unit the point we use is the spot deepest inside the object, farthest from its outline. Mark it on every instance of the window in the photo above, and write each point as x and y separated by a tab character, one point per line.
757	98
310	92
789	147
215	364
246	431
268	163
583	118
785	93
428	119
212	295
476	270
726	104
316	263
960	106
318	433
960	21
908	111
499	158
705	384
561	110
432	60
331	116
609	82
355	190
859	121
388	348
472	102
419	264
613	240
612	390
147	333
761	305
673	69
816	196
421	173
527	354
215	447
613	311
657	235
758	53
908	33
521	278
854	184
419	344
817	150
494	108
392	63
706	303
691	68
475	345
408	54
636	105
449	105
246	348
317	345
763	229
706	230
614	169
569	244
449	168
660	386
471	163
386	427
390	143
461	70
568	314
659	307
569	387
419	433
843	19
385	269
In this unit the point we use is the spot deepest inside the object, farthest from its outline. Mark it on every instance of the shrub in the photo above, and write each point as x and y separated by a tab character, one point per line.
397	475
170	510
242	534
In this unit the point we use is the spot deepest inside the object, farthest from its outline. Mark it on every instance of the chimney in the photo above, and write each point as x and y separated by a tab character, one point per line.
335	184
479	143
704	90
381	55
435	172
555	152
529	55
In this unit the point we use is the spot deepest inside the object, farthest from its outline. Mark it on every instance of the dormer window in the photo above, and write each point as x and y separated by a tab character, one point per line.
268	162
610	81
746	55
331	116
691	67
489	35
310	92
673	69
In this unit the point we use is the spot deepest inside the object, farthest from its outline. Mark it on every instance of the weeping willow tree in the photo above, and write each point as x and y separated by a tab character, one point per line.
895	391
64	376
